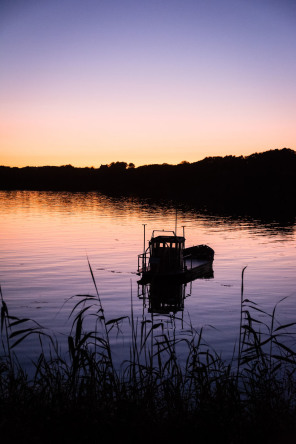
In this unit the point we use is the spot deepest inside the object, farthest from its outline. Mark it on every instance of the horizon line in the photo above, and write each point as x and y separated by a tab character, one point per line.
143	165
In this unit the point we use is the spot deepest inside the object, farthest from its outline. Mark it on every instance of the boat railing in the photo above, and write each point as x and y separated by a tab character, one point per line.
144	261
163	231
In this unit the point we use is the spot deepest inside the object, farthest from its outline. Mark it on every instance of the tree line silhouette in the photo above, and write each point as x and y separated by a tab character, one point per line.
262	181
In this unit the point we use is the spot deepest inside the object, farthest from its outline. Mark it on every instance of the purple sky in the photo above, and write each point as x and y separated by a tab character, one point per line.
91	82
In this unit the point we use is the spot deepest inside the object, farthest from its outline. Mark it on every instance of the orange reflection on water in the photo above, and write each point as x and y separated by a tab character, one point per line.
46	238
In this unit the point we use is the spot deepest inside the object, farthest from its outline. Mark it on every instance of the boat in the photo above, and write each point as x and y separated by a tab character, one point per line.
167	258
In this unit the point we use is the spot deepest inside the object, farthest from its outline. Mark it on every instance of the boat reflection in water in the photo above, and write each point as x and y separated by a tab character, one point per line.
167	296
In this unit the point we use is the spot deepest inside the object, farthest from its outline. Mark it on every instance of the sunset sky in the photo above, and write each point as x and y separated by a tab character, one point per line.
89	82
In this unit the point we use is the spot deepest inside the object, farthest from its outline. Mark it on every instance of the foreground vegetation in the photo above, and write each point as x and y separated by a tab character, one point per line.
155	396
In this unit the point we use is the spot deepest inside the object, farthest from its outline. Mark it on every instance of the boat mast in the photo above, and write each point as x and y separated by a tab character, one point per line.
144	250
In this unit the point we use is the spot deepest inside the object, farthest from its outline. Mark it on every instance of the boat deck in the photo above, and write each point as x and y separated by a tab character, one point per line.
195	269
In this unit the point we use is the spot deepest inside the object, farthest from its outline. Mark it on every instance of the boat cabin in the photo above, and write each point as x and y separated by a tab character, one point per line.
167	257
166	253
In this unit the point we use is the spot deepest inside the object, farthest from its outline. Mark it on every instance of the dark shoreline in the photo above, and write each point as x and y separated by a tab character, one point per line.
263	183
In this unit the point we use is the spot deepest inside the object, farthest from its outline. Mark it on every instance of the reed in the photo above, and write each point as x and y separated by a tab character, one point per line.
155	394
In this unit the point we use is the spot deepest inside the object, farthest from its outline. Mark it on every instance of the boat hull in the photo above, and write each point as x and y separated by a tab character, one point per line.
194	269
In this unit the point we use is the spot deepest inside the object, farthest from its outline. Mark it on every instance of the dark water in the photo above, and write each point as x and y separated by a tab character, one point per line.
46	238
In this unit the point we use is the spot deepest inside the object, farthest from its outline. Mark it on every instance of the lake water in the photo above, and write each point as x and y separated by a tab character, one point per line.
47	239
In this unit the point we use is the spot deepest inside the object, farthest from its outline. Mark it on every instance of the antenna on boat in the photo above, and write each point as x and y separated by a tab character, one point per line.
144	258
144	225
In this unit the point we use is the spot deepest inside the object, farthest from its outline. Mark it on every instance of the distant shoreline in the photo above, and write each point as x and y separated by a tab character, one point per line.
261	182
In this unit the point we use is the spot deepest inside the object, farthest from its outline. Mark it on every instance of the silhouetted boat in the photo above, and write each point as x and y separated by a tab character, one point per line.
166	257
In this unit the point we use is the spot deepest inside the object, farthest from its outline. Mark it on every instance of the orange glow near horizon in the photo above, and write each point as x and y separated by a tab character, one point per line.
33	139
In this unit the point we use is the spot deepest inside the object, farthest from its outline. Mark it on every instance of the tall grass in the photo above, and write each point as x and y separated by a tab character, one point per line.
154	394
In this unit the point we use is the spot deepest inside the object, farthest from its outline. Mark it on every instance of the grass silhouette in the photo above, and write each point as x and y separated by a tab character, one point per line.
81	396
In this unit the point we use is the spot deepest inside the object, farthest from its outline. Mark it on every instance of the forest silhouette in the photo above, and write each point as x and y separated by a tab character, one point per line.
262	182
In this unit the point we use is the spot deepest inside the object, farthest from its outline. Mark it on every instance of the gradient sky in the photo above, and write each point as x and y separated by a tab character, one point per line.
89	82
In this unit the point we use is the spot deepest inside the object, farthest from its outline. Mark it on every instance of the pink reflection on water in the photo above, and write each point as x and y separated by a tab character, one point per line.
46	238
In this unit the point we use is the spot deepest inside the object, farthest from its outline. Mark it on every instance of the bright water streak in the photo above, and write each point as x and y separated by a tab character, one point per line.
46	238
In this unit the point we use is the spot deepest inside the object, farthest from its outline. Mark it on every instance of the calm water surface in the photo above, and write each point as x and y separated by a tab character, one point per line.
46	238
